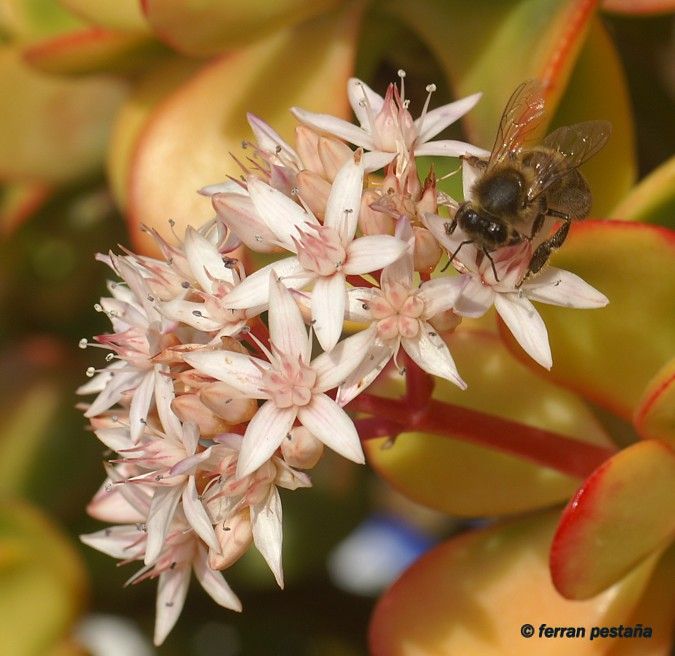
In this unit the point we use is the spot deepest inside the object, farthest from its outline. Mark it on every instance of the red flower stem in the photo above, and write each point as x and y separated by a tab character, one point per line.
419	385
371	427
559	452
259	330
360	281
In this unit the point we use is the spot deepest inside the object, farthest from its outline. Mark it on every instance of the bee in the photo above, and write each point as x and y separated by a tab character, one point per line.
518	186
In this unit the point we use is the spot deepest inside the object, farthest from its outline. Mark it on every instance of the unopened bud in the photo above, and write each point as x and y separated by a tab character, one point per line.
188	407
314	191
427	250
234	536
301	449
227	403
307	146
428	200
445	322
372	221
334	155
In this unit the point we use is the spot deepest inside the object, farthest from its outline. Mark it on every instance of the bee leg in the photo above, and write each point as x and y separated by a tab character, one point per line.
452	257
492	263
543	251
449	226
560	215
536	226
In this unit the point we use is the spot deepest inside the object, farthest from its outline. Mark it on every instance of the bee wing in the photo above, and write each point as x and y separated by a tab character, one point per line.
521	115
576	144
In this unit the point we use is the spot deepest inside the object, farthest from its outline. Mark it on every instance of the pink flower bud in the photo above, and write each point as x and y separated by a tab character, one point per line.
427	250
188	407
313	190
301	449
334	155
234	537
445	322
227	403
372	221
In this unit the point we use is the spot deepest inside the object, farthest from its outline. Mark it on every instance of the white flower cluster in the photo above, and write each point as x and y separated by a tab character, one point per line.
210	409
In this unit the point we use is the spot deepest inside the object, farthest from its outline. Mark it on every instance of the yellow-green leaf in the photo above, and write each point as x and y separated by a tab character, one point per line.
624	512
186	142
23	21
653	199
124	15
52	129
655	414
466	479
611	354
473	594
206	27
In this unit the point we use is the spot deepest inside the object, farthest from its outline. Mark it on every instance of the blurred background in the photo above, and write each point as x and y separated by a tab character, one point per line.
112	114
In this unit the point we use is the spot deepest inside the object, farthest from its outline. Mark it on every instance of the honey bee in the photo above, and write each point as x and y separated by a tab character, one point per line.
520	185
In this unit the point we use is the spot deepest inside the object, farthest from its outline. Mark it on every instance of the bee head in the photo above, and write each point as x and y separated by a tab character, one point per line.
485	230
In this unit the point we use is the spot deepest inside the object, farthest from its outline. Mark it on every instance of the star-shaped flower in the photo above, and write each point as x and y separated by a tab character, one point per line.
325	253
387	128
292	386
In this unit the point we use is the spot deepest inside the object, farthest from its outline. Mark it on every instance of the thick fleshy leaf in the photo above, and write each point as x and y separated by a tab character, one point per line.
653	199
64	144
611	354
212	26
93	50
167	168
43	581
125	15
655	415
459	599
23	21
623	512
149	91
465	479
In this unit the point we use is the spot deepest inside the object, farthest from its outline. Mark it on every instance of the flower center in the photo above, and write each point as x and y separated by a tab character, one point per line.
290	384
397	312
320	250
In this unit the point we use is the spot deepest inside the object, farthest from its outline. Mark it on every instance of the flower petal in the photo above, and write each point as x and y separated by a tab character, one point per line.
171	592
376	159
238	212
263	436
436	120
197	516
365	102
162	509
440	294
358	300
140	404
286	327
282	215
332	368
206	263
329	298
475	299
559	287
336	126
450	148
243	372
164	395
331	424
214	583
267	531
469	176
270	140
371	253
255	289
375	360
431	353
344	200
526	325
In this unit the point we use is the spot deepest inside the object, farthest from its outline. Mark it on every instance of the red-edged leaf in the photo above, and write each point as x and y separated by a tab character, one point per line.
655	415
639	6
624	512
93	50
18	202
123	15
473	594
